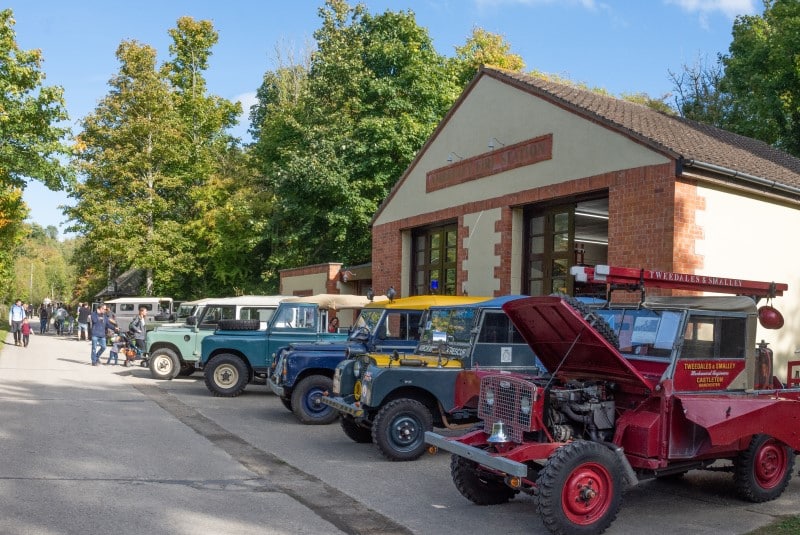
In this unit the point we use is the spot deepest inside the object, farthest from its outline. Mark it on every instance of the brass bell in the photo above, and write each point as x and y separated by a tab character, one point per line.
498	435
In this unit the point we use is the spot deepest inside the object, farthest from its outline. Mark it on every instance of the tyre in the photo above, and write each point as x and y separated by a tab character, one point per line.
580	489
164	364
597	322
226	375
287	402
238	325
398	429
354	431
307	401
186	370
762	471
479	488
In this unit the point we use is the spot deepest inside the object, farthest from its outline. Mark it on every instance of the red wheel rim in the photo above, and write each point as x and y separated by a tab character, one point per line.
587	494
770	464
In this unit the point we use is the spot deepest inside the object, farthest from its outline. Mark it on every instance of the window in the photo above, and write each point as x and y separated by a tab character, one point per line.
714	338
644	332
559	237
255	313
214	313
435	260
498	329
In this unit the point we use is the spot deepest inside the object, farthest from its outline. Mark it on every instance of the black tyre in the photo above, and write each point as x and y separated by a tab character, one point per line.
226	375
580	489
356	432
287	402
479	488
307	401
762	471
398	429
187	369
238	325
164	364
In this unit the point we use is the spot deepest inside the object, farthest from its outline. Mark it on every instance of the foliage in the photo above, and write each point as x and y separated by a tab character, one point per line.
485	48
43	268
334	137
762	75
697	93
152	154
32	139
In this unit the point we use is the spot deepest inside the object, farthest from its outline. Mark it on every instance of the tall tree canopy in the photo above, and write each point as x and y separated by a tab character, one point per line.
32	137
334	138
762	75
150	154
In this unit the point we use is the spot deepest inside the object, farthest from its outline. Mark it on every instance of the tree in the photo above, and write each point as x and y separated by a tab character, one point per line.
698	95
485	48
31	139
127	151
762	76
375	90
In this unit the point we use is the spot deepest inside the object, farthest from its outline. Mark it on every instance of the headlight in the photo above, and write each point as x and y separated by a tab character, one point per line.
366	393
488	396
525	405
357	368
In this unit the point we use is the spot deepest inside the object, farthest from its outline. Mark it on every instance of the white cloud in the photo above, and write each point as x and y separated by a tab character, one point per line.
247	100
729	8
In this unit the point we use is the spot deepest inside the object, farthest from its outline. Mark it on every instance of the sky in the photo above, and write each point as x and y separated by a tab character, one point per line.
622	46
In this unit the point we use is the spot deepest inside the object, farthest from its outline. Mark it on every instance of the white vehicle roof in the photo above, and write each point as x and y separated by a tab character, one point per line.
138	300
336	301
247	300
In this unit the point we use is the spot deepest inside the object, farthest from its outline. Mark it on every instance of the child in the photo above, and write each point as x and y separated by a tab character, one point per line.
26	331
116	343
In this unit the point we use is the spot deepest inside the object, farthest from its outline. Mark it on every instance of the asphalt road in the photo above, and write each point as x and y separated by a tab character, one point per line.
95	450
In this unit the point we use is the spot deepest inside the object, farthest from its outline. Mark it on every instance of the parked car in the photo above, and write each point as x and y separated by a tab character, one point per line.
303	372
394	404
125	309
174	349
637	391
237	354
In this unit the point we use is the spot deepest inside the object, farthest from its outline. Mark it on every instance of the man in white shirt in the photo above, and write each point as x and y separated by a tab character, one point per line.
15	316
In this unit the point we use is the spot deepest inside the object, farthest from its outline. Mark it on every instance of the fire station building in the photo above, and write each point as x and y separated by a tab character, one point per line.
524	178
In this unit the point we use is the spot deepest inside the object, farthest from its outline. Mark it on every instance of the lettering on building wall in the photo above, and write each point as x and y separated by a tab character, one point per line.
491	163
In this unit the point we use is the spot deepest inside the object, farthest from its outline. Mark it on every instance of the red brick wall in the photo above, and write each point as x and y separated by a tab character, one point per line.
652	224
330	272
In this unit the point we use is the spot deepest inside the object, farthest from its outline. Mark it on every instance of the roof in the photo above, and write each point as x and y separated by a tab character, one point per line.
247	300
423	302
335	301
679	137
141	299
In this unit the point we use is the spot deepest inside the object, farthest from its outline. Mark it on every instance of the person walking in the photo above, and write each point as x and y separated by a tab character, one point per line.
15	316
83	321
101	323
44	317
139	329
26	331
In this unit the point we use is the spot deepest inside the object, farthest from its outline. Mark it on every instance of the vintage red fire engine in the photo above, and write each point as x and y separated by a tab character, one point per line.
638	391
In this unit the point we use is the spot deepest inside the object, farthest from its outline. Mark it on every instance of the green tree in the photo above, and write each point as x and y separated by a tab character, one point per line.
127	151
374	92
32	139
485	48
762	76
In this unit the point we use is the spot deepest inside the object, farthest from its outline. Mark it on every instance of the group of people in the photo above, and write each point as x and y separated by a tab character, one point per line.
103	326
95	325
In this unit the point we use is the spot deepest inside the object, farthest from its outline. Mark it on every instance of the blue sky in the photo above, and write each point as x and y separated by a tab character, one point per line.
623	46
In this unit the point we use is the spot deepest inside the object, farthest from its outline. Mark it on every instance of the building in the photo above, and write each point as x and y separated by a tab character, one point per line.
524	178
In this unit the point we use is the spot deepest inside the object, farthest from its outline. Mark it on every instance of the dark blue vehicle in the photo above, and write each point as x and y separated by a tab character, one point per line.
302	372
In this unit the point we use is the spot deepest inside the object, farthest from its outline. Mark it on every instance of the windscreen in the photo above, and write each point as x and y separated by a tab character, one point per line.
643	331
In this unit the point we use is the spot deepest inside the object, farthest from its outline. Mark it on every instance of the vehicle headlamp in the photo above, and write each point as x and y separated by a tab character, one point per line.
488	396
525	405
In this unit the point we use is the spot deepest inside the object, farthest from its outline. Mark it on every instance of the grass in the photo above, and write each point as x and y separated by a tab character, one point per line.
788	525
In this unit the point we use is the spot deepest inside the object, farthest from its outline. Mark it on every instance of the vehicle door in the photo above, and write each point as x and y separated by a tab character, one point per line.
498	344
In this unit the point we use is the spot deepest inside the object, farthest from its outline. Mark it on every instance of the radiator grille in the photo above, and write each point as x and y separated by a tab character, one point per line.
503	399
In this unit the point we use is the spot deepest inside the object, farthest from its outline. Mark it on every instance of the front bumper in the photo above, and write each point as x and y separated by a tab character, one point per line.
342	406
277	389
501	464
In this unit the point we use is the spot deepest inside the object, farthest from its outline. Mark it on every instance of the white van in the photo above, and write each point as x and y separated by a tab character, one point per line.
125	309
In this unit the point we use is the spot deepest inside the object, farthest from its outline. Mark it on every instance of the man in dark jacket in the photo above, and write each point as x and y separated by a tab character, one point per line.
101	323
83	321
